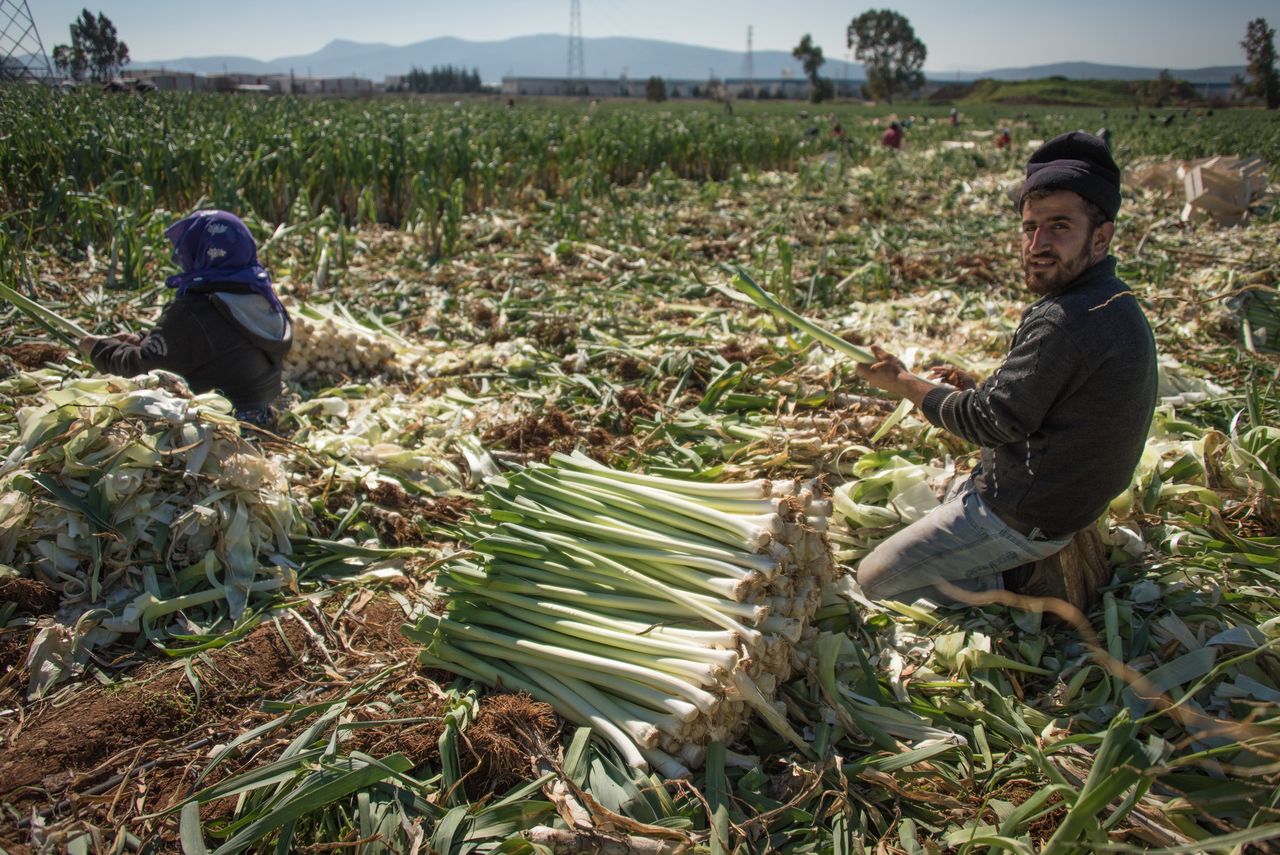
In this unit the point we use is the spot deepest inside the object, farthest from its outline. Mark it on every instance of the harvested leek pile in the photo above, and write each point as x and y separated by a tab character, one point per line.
145	510
660	612
573	305
330	344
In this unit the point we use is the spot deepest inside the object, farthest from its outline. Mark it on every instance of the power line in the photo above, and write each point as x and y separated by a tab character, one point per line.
22	55
577	65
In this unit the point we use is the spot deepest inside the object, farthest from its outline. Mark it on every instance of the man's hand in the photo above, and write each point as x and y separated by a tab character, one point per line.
85	345
885	373
891	375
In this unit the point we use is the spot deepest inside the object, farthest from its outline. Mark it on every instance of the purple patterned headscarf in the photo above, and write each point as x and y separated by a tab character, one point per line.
216	246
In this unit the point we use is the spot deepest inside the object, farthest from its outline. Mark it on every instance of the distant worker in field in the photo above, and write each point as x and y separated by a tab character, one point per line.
892	136
1004	139
1061	424
225	329
955	117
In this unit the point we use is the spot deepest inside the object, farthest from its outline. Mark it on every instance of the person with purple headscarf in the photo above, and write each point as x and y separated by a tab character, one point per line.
225	329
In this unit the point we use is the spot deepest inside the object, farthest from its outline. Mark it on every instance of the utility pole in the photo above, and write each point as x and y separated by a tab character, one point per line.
22	55
750	60
577	65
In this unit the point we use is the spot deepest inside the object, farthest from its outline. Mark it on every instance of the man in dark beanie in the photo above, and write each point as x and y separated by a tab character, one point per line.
1061	423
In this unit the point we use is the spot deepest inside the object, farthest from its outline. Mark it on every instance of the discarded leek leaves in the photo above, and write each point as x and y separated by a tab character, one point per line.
762	298
46	318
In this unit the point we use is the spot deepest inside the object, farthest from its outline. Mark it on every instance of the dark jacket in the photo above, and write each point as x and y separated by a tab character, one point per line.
1063	422
217	336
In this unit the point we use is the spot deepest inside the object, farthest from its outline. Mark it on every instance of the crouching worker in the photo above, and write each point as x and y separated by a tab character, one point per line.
225	329
1061	423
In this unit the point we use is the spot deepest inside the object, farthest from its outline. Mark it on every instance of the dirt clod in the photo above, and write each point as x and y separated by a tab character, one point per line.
735	352
507	732
536	434
29	595
33	354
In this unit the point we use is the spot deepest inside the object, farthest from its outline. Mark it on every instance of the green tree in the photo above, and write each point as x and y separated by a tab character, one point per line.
886	45
95	47
70	61
444	78
1260	49
655	89
811	58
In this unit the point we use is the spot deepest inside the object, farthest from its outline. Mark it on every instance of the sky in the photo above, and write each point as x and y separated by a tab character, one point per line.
961	35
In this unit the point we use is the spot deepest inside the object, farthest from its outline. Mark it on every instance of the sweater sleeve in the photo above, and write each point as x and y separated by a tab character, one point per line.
176	343
1011	404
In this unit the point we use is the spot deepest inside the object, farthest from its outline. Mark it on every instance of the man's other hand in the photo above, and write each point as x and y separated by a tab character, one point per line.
886	372
890	374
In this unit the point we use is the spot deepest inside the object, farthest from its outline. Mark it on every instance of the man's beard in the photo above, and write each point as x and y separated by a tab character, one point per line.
1055	280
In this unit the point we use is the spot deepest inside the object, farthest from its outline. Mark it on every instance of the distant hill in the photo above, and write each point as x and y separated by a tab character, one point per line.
546	56
1059	90
526	56
1095	71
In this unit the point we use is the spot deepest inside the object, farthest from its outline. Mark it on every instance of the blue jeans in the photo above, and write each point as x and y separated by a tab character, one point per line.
962	543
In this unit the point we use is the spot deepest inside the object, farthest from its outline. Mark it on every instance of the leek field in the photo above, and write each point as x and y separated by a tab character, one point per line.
554	552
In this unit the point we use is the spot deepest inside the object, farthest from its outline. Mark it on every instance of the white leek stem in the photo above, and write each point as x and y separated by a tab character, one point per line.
755	613
549	655
642	694
559	635
599	629
758	489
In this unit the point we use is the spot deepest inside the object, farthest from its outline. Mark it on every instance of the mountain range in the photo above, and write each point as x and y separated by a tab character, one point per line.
547	56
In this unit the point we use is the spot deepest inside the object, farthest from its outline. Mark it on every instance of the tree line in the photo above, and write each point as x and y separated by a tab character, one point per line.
893	59
444	78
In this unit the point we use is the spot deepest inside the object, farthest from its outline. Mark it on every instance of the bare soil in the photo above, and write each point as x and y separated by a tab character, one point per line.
29	595
402	519
496	748
537	435
14	643
34	354
629	369
105	756
636	403
733	351
55	747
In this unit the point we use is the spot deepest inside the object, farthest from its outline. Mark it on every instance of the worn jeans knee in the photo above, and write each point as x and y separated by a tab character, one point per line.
961	542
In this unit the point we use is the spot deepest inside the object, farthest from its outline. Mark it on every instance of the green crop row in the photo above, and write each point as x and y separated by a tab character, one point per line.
77	170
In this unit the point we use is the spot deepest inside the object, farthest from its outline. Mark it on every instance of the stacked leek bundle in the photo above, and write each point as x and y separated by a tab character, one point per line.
660	612
329	345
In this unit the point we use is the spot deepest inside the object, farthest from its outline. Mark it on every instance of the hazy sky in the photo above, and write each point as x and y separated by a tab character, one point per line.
960	34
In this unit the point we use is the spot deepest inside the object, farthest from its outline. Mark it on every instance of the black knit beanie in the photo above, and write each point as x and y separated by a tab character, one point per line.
1078	162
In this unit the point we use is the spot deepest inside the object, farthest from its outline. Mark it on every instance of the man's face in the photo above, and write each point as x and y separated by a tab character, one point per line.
1058	243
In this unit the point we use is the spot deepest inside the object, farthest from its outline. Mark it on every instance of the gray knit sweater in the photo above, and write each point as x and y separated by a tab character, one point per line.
1062	423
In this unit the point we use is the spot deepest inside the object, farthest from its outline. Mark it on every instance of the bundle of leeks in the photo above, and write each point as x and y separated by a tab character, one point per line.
660	612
